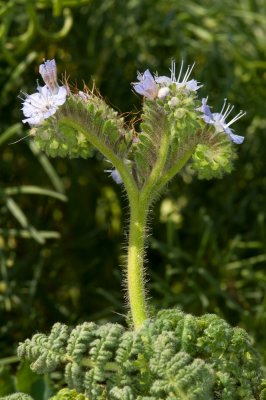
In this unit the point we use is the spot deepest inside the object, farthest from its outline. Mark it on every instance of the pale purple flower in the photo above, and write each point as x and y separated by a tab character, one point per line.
48	72
218	120
205	109
146	86
45	102
184	83
115	175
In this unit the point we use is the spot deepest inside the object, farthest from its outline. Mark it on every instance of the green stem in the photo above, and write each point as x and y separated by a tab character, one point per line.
138	215
148	188
135	273
139	208
117	162
164	179
140	202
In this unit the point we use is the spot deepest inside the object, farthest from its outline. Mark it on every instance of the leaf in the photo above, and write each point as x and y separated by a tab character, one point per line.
25	378
22	219
7	384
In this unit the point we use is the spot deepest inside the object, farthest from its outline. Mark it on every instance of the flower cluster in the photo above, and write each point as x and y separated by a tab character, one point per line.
45	102
160	87
172	111
151	87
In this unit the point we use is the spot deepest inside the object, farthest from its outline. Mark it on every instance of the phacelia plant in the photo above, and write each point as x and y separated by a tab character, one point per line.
169	355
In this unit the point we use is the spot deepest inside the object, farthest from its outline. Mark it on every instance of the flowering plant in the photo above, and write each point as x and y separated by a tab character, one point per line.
169	355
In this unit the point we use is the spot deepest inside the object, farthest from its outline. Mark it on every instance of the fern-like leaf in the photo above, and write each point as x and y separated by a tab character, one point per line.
47	352
171	357
17	396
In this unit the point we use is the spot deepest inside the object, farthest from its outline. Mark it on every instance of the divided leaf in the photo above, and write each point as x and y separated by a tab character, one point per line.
173	356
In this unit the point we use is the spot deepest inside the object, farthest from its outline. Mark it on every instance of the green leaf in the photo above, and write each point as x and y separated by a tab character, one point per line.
25	378
7	383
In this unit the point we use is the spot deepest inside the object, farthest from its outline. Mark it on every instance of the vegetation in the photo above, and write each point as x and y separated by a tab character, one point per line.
59	259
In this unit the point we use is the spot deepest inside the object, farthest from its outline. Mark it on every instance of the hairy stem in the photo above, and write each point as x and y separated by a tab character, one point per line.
135	273
140	202
135	279
164	179
151	182
128	180
139	208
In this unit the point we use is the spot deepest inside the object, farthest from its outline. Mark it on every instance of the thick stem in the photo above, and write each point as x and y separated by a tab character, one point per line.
139	208
135	273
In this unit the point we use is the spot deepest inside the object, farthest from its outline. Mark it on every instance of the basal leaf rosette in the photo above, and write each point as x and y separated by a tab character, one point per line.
172	356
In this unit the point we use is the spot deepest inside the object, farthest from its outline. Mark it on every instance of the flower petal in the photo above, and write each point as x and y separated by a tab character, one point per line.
236	138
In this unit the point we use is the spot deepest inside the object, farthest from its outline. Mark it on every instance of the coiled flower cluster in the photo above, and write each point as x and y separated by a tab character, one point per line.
171	109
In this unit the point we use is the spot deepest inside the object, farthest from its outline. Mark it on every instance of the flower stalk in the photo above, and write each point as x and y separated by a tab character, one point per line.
175	129
135	263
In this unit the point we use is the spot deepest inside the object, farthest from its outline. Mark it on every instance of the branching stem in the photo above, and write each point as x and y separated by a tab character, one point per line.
138	215
139	208
140	202
149	186
171	173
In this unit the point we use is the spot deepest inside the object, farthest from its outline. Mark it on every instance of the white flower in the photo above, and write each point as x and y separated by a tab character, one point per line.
146	86
218	120
190	85
41	105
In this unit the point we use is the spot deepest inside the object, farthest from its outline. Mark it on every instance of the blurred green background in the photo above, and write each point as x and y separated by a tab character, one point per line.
63	260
